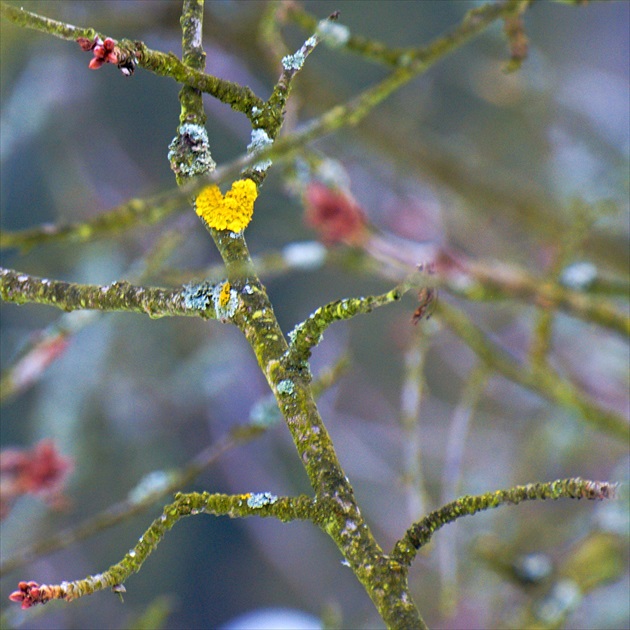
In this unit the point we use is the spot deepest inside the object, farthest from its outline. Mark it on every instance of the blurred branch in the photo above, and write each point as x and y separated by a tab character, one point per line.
458	438
413	389
128	215
421	532
371	49
485	281
542	380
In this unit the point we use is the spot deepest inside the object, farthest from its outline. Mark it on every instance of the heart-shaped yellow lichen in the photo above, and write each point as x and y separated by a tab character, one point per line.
231	212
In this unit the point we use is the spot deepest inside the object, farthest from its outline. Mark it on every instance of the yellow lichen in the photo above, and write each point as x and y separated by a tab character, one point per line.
230	212
224	296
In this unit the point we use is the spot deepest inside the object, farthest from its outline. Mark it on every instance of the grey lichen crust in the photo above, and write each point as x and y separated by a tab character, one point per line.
189	152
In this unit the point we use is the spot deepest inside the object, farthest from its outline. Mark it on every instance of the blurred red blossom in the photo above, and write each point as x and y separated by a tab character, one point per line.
41	471
335	214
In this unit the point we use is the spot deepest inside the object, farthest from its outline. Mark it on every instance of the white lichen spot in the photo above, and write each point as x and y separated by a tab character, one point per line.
308	255
260	499
286	387
256	111
132	553
22	278
333	33
345	563
248	289
293	335
196	29
259	140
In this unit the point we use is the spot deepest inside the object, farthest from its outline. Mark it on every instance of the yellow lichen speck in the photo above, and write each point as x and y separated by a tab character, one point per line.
224	296
230	212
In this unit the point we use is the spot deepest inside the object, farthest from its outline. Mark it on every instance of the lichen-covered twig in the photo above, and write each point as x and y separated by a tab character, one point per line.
239	97
291	65
157	485
261	504
421	532
154	487
306	335
196	300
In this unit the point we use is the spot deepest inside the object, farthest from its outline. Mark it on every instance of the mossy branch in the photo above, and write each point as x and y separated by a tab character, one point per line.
240	98
420	533
264	416
262	504
195	300
334	507
306	335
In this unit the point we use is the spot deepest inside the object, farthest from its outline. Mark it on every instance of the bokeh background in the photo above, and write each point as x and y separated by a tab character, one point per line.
496	166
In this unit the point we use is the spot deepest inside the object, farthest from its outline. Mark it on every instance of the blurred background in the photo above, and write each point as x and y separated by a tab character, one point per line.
495	166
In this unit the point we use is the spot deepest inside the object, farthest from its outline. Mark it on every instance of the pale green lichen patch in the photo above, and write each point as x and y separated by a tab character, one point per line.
189	151
260	499
293	62
197	295
286	387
